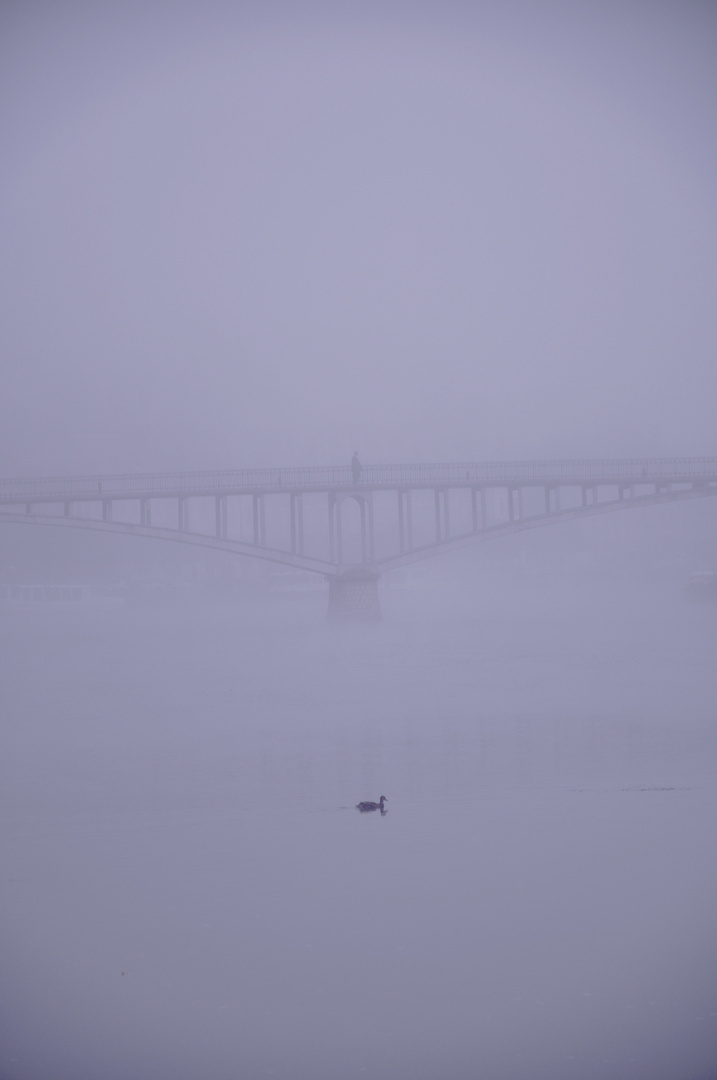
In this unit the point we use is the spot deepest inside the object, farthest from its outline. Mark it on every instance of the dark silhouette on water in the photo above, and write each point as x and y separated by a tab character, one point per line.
364	807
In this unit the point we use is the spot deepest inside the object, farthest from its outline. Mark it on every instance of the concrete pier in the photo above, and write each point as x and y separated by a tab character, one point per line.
353	596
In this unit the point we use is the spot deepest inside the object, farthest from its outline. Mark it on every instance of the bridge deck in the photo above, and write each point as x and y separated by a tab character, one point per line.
593	472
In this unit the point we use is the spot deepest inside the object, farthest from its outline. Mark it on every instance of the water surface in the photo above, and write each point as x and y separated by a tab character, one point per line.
187	889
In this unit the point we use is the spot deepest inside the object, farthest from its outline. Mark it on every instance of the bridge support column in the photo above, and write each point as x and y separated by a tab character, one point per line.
353	596
368	535
405	522
340	533
145	512
474	509
362	507
68	509
515	504
259	520
182	515
332	528
106	509
292	520
443	520
300	521
220	517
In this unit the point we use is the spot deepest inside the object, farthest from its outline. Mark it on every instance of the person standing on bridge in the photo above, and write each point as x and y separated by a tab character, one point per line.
356	467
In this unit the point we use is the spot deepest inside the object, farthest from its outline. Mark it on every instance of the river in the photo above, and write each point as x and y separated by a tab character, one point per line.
188	890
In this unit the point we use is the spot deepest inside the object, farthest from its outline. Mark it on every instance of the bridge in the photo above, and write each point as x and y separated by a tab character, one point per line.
321	520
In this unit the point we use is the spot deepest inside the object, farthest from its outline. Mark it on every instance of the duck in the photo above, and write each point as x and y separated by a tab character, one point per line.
365	806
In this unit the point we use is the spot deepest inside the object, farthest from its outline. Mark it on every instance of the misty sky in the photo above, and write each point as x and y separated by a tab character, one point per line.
241	234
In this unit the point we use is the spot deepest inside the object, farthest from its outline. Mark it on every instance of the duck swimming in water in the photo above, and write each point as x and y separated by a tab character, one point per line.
366	806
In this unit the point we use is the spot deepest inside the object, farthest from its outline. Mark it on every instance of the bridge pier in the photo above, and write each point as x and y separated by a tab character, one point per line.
353	596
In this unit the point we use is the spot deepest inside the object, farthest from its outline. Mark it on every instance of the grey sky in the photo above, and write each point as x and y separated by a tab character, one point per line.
242	234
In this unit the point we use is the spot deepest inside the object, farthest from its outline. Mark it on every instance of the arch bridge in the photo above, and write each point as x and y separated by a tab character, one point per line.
321	520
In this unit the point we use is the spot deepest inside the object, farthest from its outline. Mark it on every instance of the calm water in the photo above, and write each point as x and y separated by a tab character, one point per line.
188	891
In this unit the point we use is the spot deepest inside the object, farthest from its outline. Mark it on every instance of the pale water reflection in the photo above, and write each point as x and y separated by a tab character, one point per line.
189	890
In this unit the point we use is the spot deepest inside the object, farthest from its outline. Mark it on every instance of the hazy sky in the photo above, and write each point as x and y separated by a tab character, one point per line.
254	233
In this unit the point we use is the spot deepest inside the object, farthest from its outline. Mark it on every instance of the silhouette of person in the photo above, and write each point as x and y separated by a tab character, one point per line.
356	467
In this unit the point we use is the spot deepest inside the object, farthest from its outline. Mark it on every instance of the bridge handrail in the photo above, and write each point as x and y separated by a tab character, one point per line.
138	485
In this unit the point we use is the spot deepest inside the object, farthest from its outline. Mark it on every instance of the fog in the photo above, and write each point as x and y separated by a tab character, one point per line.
244	235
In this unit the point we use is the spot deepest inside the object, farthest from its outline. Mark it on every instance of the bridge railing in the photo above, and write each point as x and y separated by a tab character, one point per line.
322	478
